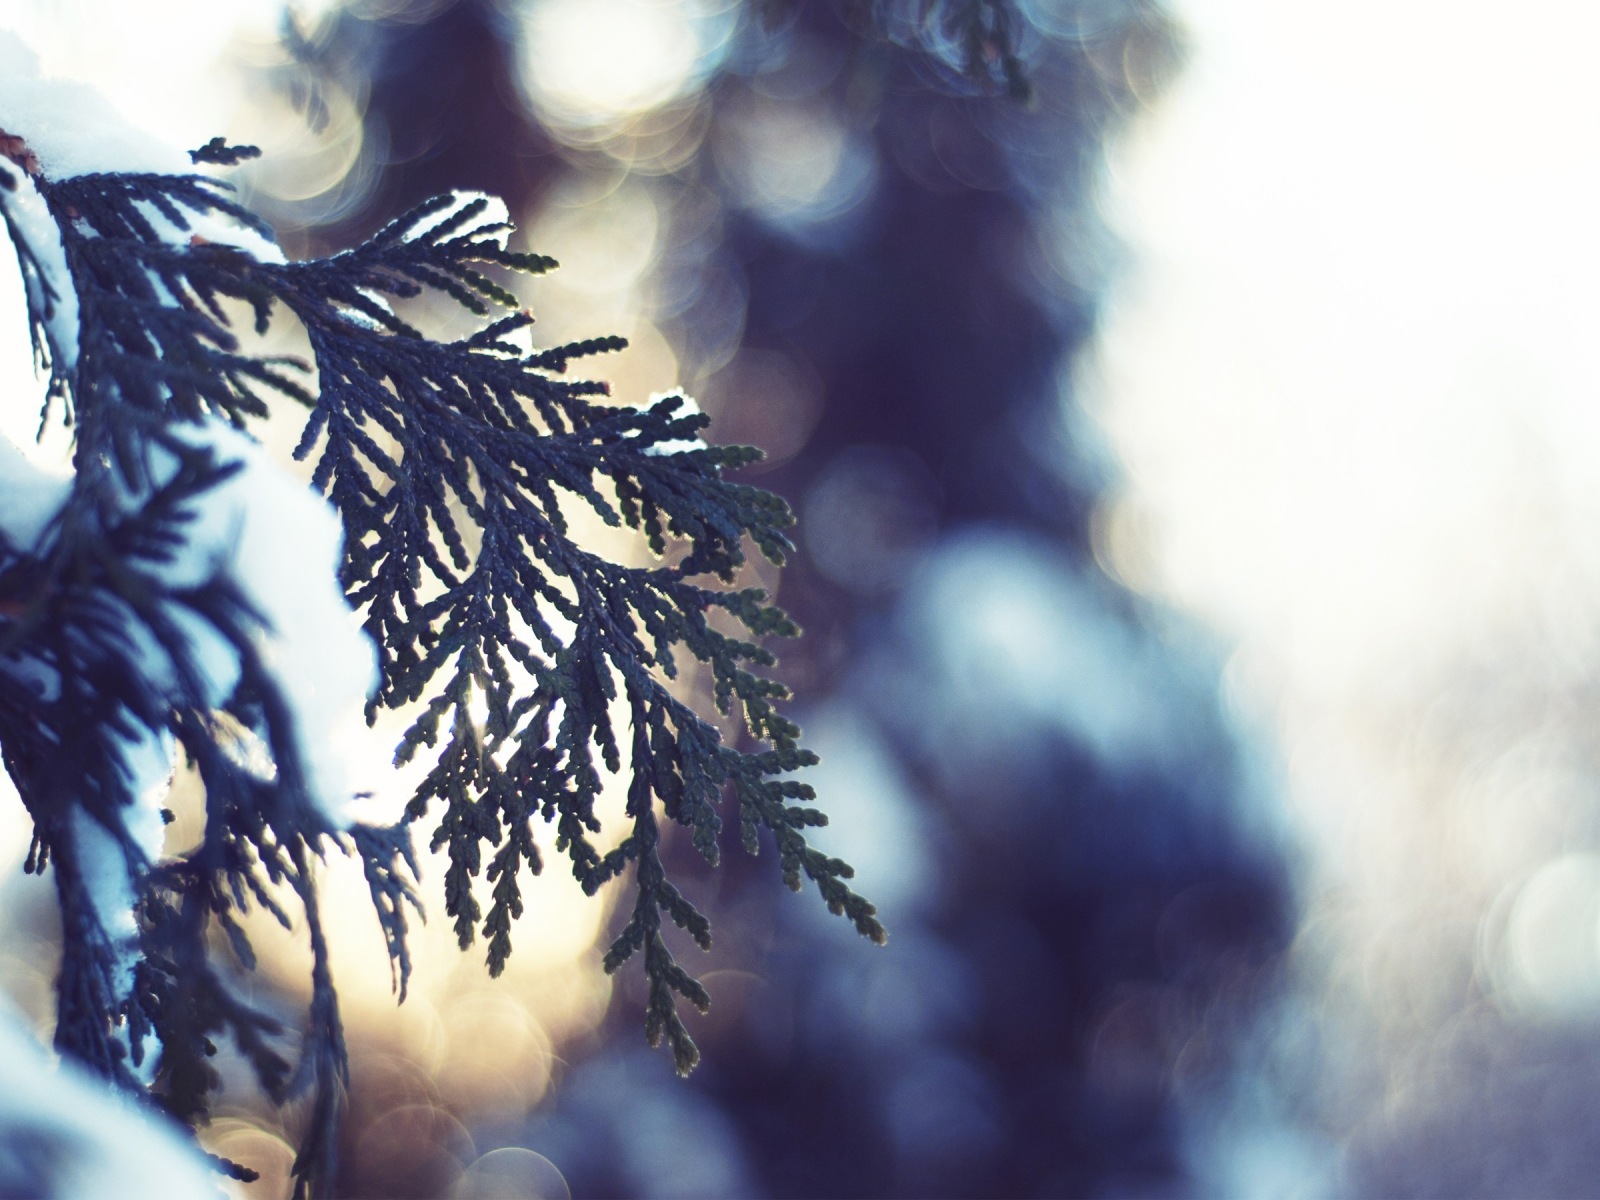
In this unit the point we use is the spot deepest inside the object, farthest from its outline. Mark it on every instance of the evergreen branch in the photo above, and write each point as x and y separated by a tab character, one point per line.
455	468
217	152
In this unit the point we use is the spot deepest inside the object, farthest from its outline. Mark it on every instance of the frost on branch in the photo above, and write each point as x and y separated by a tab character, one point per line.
180	596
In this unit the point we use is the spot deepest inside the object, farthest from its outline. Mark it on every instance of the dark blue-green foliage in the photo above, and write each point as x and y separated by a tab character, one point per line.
424	445
454	467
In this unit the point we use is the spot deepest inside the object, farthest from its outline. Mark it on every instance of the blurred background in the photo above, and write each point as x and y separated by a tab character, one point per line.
1199	558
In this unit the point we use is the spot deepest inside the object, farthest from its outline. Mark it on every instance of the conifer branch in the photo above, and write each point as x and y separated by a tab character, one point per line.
454	468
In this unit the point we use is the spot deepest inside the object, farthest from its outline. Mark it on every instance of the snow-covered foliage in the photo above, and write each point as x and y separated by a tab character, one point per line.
63	1136
66	128
277	545
687	407
182	602
70	128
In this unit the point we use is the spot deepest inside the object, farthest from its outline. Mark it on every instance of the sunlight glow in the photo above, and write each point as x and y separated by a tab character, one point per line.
1351	380
589	62
115	45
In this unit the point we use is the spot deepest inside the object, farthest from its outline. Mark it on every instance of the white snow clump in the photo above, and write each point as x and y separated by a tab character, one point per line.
688	408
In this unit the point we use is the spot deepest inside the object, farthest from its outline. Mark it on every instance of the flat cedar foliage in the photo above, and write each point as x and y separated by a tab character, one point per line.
449	464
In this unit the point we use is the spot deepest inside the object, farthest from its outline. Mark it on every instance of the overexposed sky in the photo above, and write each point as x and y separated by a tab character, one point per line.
1352	374
1352	377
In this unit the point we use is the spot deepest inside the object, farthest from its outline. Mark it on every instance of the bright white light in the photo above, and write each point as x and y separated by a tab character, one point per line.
1553	939
1350	376
160	65
1352	381
587	62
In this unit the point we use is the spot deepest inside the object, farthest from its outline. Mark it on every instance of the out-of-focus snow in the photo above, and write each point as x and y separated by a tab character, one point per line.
279	544
64	1135
70	126
50	294
147	762
169	68
29	498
